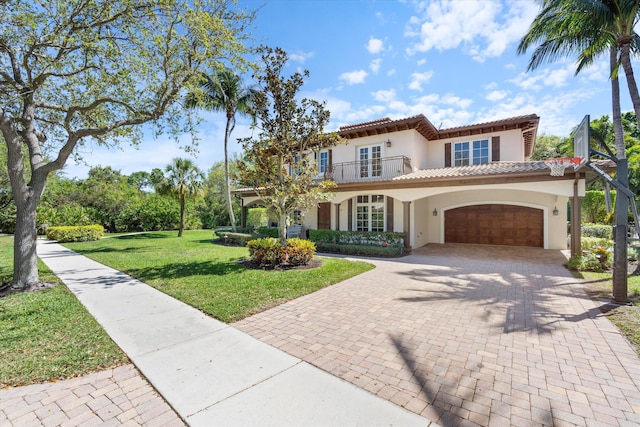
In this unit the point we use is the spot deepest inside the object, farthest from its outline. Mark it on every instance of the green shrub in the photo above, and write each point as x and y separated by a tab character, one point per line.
378	251
268	232
358	242
257	217
237	239
589	243
597	230
268	252
84	233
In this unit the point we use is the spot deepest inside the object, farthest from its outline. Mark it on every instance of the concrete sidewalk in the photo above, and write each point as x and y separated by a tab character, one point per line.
210	373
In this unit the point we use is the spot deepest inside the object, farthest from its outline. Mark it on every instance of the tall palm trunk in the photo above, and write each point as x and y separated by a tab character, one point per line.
620	287
625	59
227	184
181	229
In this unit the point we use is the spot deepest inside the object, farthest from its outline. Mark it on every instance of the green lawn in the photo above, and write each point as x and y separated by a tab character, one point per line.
626	318
48	335
208	276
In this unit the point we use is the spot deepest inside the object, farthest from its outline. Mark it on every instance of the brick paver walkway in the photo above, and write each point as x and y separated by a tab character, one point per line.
115	397
467	335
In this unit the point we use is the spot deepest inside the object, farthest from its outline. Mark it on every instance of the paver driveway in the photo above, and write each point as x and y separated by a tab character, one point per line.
467	335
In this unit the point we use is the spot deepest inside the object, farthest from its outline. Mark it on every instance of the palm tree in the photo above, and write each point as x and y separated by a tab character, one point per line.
224	92
589	29
184	179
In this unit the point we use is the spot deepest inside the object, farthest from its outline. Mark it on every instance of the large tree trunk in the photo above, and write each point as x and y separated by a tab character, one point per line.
625	59
25	257
226	175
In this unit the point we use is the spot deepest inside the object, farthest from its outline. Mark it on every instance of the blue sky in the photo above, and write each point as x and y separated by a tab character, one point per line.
453	61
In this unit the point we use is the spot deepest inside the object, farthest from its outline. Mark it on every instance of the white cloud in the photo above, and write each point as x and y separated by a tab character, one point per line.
418	79
374	66
354	77
300	57
496	95
548	77
480	27
391	72
422	61
384	95
375	46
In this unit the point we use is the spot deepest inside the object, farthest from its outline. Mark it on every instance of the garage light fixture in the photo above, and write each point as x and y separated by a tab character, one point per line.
388	142
435	212
555	211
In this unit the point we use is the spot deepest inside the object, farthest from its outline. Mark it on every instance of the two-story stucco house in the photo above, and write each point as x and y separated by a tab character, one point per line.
469	184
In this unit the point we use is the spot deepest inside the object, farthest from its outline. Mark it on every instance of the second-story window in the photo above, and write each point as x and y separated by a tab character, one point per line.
323	162
479	154
370	159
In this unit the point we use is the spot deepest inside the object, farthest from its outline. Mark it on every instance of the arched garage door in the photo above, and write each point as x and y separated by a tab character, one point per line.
494	225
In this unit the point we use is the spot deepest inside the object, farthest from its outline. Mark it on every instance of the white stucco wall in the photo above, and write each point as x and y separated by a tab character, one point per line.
511	147
555	226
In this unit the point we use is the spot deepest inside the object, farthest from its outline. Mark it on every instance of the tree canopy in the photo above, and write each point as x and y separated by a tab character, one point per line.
278	163
73	70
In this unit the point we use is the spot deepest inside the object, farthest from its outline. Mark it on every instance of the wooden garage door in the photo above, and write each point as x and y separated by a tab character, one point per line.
494	225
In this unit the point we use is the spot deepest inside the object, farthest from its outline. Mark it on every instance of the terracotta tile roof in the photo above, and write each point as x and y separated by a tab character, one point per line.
496	168
492	169
527	123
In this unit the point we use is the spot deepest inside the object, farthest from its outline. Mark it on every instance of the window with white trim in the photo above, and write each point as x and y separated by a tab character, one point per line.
370	159
478	155
370	213
323	162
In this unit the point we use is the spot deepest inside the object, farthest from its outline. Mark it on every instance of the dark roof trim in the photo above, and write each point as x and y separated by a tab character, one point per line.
528	124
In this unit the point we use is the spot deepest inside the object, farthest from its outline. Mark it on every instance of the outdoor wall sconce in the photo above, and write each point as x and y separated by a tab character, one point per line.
388	143
435	212
555	211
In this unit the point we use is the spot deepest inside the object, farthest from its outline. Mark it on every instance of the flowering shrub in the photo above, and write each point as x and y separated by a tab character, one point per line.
268	252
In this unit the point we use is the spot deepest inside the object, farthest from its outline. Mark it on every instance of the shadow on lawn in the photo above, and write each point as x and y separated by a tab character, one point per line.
188	269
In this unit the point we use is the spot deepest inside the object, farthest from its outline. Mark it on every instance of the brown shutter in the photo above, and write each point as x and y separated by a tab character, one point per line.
447	155
389	213
495	149
350	215
330	160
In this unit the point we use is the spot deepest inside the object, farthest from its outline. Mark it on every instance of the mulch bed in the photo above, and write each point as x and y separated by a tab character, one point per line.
248	263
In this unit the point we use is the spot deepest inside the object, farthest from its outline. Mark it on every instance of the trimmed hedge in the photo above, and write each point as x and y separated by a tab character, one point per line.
383	244
597	230
238	239
244	234
268	252
378	251
82	233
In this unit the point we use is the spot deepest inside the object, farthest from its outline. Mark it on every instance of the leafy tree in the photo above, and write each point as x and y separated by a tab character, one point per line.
153	212
141	180
288	130
588	29
224	92
185	180
73	70
546	147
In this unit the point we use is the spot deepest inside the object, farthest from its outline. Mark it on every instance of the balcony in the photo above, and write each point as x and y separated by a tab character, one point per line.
371	170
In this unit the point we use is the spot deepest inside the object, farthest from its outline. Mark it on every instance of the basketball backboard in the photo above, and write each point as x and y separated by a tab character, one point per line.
581	145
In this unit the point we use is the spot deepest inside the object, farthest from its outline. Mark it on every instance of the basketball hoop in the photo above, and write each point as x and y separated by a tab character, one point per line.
558	165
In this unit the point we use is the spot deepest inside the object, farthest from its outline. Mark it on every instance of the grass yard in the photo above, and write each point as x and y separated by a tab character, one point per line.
626	318
48	335
208	276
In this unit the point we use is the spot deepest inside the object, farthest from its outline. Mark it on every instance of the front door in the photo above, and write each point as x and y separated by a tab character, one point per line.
324	216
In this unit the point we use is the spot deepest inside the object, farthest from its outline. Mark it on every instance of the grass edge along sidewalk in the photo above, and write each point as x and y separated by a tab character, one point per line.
48	335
